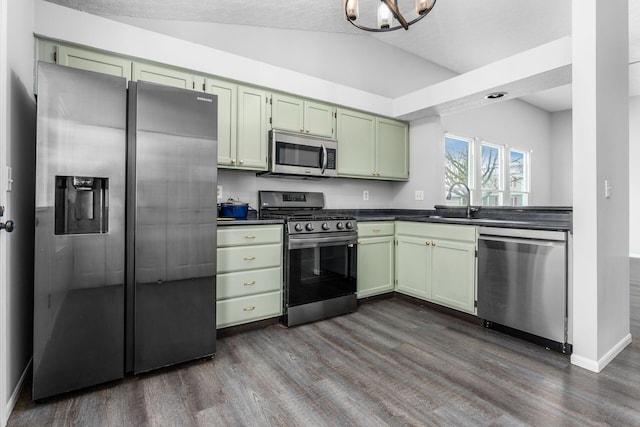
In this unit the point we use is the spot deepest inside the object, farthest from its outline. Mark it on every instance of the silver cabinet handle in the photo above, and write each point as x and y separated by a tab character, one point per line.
249	237
249	283
250	308
249	258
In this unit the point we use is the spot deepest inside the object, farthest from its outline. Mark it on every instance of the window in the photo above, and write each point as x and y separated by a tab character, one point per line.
500	175
519	177
458	166
491	174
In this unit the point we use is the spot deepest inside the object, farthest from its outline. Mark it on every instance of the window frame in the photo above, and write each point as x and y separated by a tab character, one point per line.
526	174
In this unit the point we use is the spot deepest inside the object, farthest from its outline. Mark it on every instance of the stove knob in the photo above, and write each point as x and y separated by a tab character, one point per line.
309	227
340	225
349	225
325	226
298	227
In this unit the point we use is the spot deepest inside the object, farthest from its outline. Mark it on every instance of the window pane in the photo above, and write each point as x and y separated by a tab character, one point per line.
490	168
519	199
491	198
517	171
457	168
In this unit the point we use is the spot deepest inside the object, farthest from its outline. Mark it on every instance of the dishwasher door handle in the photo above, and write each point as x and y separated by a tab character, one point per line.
522	241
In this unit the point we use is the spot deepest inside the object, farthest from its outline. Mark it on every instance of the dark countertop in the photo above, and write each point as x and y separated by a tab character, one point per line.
248	221
529	217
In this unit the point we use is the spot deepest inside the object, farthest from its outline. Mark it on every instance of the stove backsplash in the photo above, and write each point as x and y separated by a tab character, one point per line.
340	193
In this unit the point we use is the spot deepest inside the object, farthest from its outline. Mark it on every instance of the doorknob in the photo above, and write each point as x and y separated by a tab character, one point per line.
8	226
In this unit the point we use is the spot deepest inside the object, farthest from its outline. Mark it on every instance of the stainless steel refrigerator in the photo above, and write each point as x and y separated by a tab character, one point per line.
125	250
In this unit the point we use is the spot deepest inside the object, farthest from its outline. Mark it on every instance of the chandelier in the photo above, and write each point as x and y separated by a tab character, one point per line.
389	16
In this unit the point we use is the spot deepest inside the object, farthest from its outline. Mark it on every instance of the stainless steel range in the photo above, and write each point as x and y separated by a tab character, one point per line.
320	256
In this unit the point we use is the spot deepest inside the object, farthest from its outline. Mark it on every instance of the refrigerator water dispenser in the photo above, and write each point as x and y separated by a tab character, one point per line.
81	205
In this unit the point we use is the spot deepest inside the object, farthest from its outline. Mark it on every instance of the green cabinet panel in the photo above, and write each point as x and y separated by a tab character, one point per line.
392	149
372	147
93	61
300	115
376	258
356	144
162	75
287	113
252	142
236	311
437	269
453	275
412	271
248	257
227	118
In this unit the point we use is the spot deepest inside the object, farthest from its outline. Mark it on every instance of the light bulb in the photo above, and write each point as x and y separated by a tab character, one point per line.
384	16
423	6
351	7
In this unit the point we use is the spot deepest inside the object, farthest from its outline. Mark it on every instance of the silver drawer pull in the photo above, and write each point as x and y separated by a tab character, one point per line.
376	230
250	308
250	283
249	258
249	237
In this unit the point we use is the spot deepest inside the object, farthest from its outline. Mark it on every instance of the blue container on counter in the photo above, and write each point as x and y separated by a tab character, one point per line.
234	209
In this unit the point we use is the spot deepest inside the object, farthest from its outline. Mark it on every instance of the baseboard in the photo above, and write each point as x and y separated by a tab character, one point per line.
598	365
15	395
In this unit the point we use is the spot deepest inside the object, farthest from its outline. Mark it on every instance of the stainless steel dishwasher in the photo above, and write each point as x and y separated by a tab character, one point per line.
522	283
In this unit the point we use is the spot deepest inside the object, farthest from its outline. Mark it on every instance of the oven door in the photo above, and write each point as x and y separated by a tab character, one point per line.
320	268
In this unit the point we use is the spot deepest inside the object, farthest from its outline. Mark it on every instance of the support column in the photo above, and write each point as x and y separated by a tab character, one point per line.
600	39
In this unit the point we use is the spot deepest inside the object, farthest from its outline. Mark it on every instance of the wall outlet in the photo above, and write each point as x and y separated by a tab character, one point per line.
219	193
365	195
419	195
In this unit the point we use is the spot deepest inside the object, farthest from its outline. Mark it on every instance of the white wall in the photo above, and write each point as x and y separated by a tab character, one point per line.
18	145
517	124
561	158
634	177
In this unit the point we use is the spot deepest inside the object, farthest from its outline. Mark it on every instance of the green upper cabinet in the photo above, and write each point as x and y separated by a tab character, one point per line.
227	94
93	61
252	144
372	147
392	149
162	75
304	116
356	144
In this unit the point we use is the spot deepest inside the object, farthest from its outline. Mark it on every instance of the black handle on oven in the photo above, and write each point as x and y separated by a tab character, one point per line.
317	242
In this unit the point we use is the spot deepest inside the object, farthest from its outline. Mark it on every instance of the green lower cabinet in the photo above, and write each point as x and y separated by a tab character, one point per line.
376	258
437	262
412	271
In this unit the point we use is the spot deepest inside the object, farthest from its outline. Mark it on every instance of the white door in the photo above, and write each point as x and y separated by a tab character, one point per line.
3	201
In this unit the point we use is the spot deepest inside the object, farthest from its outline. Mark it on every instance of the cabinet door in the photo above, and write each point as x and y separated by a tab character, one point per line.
319	119
356	144
392	149
93	61
252	129
227	119
287	113
412	267
162	75
453	275
375	266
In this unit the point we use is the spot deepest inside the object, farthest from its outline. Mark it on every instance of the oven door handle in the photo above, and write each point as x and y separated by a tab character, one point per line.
318	242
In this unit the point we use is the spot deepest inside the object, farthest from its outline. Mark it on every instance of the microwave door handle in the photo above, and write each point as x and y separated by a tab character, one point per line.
324	158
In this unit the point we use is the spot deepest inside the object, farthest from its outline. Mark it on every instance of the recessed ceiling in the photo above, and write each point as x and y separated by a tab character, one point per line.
459	35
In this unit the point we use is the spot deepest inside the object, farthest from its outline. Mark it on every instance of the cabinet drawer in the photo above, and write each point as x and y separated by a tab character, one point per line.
250	282
247	309
249	257
374	229
236	236
463	233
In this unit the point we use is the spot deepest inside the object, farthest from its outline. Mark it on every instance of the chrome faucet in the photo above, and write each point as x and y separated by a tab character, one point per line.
466	187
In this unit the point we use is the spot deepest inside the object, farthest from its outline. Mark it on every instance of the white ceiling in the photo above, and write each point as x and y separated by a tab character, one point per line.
460	35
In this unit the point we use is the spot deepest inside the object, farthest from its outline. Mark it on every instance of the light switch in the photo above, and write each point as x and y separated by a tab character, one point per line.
365	195
419	195
607	189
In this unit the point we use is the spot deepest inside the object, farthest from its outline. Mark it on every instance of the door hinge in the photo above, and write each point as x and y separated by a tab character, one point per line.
270	120
204	87
476	253
1	211
475	304
193	85
55	57
395	242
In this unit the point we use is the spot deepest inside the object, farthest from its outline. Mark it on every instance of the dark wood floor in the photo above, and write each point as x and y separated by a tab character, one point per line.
390	363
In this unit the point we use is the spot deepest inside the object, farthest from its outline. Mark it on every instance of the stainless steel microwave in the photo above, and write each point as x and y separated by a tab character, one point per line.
302	155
